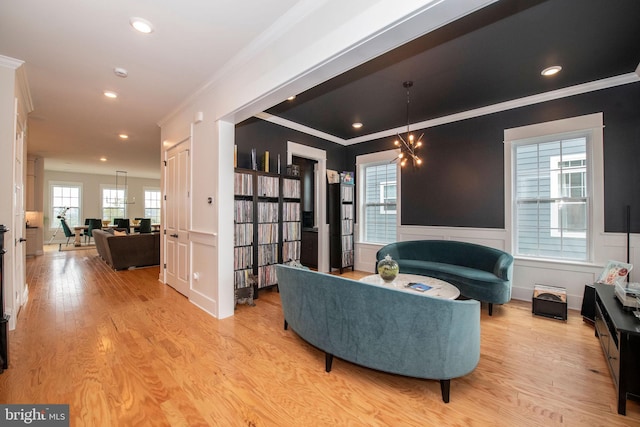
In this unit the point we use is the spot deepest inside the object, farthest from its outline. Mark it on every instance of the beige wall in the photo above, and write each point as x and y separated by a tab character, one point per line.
91	190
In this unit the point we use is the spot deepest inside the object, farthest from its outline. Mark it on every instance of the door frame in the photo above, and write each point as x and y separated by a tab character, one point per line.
163	246
304	151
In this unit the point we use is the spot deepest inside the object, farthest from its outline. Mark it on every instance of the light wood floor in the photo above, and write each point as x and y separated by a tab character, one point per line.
122	349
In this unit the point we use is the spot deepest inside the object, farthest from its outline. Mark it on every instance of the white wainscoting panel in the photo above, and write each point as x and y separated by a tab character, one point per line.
204	282
527	272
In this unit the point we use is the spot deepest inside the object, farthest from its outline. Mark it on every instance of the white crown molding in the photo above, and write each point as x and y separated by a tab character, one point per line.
294	15
507	105
301	128
23	88
8	62
478	112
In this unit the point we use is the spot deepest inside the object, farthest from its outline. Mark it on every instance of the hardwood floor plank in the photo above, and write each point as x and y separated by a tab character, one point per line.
123	349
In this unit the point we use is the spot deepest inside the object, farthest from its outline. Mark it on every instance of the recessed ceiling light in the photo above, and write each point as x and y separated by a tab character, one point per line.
550	71
123	136
141	25
110	94
103	159
291	98
357	125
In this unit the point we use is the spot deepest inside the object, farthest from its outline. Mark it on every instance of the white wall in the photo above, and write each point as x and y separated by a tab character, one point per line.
91	193
312	43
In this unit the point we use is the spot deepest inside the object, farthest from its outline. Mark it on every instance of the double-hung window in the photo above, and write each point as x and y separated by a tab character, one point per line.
551	198
379	204
113	203
556	189
152	205
66	199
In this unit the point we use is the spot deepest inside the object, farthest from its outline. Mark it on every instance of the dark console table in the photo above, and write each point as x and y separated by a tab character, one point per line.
619	334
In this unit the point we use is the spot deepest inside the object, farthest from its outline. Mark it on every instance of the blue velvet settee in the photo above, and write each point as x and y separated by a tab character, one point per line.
480	272
380	327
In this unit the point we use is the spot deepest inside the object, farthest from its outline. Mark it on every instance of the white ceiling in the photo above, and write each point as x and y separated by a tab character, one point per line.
71	47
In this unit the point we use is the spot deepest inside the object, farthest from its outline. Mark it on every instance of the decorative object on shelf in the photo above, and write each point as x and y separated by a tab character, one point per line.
265	161
409	144
388	269
293	170
333	177
254	160
347	178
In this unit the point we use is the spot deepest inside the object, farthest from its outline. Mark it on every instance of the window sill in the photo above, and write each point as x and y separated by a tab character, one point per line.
533	261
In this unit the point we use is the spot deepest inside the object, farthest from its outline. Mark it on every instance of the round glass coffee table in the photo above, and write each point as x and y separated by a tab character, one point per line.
438	288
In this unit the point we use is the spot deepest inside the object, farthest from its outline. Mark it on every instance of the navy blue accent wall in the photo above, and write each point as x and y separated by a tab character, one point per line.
461	183
266	136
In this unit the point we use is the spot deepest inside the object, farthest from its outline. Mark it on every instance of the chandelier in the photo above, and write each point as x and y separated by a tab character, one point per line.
121	188
408	145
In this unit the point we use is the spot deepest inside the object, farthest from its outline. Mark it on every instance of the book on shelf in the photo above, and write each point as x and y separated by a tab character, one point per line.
291	211
243	184
347	193
268	186
291	188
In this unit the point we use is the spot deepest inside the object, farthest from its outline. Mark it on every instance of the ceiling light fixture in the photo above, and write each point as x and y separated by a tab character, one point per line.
357	125
121	189
291	98
120	72
123	136
409	144
110	94
141	25
103	159
550	71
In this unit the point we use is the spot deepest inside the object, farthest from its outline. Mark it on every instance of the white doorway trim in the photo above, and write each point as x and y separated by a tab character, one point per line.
299	150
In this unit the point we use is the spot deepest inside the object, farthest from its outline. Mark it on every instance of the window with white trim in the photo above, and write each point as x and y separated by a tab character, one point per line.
554	189
552	198
113	203
378	206
66	199
152	204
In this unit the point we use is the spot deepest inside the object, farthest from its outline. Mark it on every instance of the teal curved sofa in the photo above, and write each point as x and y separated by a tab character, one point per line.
380	327
480	272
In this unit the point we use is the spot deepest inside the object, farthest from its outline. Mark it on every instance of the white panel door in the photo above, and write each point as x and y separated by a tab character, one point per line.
177	218
19	272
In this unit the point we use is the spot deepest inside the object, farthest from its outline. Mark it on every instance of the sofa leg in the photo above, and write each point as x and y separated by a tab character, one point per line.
490	309
286	325
328	360
445	386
